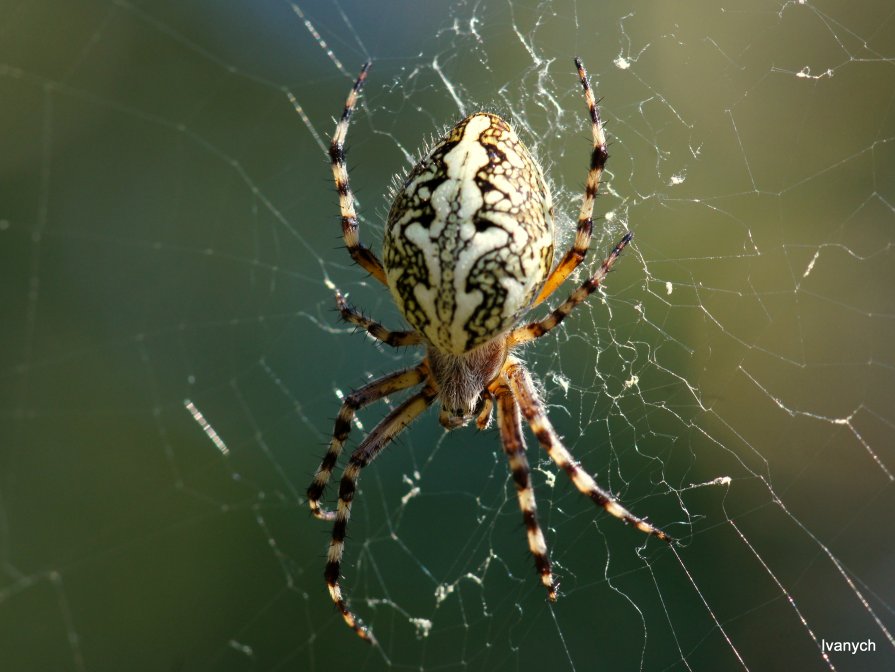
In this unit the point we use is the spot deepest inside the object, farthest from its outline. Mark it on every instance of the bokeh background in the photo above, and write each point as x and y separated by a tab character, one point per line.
169	232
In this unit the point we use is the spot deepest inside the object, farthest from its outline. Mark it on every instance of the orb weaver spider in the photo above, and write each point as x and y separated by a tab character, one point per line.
467	252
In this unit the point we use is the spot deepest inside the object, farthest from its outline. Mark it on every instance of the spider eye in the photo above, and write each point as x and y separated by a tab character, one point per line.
451	419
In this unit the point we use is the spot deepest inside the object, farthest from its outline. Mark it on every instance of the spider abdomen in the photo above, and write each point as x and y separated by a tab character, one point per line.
469	238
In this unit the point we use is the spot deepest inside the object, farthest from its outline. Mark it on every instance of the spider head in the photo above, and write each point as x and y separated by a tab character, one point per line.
463	380
452	418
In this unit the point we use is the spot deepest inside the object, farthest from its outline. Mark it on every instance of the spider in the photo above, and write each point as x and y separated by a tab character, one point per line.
467	251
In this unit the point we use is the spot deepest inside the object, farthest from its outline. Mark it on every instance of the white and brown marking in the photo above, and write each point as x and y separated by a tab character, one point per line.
469	237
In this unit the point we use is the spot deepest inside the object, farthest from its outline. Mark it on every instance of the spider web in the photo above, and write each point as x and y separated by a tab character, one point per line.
172	360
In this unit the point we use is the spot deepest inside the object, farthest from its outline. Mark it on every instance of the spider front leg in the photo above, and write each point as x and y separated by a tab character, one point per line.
510	423
365	453
598	158
373	391
523	389
395	339
364	256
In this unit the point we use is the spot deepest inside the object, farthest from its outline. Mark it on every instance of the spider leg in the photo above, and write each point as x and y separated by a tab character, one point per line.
365	453
361	254
537	329
510	423
598	157
395	339
523	388
373	391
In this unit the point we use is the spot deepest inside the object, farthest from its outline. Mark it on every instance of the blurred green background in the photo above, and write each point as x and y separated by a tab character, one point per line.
169	231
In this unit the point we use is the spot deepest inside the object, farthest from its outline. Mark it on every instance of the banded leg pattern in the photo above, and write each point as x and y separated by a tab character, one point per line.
523	388
373	391
599	156
365	453
510	423
537	329
395	339
362	255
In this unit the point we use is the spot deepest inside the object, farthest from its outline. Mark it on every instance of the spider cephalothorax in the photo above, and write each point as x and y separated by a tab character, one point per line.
462	380
468	250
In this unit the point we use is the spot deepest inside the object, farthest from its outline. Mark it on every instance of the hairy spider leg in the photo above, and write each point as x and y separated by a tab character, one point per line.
523	389
510	422
598	157
534	330
362	255
365	453
396	339
372	391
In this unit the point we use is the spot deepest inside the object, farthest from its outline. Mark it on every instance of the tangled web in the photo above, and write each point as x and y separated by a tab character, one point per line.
172	361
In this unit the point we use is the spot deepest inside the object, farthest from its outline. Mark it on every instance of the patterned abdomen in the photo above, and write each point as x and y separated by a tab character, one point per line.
469	237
